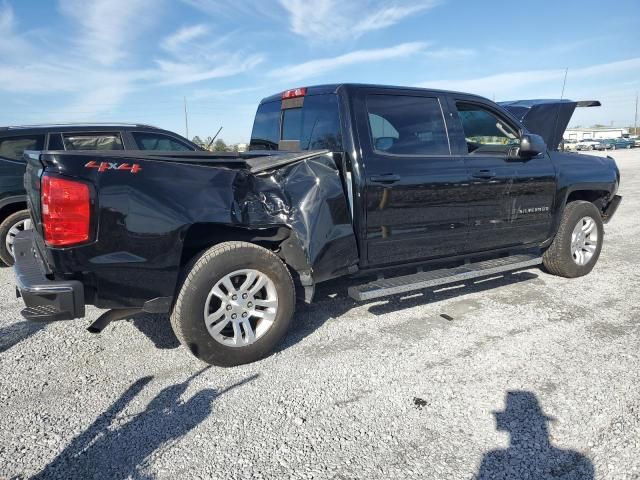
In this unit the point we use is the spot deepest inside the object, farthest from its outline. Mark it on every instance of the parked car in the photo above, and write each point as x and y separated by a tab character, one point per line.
588	144
615	143
570	144
14	216
376	178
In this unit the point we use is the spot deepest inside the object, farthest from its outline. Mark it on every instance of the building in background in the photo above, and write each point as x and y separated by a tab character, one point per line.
595	133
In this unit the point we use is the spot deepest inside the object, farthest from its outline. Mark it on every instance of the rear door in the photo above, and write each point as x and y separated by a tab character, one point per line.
511	198
416	190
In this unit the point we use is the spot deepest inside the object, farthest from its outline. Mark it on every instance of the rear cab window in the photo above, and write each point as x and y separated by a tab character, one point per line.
13	147
88	141
304	123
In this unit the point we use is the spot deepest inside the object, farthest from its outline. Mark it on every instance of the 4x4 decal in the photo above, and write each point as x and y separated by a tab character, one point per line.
104	166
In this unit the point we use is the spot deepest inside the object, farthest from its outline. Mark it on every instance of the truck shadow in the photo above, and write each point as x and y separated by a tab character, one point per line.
157	328
530	453
121	446
331	301
17	332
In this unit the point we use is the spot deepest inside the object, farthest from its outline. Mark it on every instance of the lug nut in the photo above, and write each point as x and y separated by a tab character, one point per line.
234	316
234	297
229	307
244	315
244	295
249	304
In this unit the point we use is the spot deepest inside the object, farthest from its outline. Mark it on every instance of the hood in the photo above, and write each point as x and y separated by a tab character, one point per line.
547	118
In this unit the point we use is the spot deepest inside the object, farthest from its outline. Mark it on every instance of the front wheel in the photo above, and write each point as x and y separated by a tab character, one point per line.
9	228
235	304
578	242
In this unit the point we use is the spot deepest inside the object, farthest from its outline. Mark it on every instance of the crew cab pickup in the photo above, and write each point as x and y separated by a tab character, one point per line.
341	180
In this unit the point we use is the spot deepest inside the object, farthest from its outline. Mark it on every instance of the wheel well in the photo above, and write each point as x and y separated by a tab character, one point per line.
597	197
11	209
201	236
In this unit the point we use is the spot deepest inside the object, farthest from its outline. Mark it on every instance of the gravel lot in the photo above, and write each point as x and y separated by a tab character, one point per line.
386	389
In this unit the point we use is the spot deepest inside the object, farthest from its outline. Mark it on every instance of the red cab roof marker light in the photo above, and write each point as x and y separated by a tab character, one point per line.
294	93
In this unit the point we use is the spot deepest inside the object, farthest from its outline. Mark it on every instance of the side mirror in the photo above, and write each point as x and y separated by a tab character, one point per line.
531	145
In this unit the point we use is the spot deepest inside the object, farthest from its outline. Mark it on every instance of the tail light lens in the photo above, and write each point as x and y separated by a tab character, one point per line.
66	211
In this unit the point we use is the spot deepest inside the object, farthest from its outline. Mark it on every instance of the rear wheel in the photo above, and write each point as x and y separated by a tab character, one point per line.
235	305
577	245
9	228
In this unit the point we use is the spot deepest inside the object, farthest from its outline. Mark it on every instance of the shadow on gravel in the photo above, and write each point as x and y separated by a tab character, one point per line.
157	328
530	453
331	301
119	446
16	332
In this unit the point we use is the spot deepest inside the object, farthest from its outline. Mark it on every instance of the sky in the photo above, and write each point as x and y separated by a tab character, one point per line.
137	60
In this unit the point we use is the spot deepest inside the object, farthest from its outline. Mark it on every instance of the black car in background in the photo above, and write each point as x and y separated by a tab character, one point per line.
14	216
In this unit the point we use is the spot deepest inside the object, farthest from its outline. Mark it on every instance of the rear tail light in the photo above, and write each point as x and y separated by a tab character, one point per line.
66	211
294	93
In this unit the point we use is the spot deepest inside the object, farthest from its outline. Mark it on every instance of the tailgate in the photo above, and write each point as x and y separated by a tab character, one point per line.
35	168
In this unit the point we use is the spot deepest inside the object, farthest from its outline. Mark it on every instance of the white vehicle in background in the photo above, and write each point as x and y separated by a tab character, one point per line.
570	144
587	144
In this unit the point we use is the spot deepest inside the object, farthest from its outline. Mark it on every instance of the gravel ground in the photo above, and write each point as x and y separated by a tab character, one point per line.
534	377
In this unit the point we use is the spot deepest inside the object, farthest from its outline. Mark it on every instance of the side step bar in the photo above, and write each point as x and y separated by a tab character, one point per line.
444	276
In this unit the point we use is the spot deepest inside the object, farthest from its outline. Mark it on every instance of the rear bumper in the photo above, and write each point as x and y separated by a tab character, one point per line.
45	300
611	208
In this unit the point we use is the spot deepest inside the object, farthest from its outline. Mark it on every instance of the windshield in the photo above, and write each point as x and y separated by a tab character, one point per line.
315	124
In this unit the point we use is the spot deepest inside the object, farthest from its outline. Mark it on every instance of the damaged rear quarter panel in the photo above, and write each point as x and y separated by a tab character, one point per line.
309	198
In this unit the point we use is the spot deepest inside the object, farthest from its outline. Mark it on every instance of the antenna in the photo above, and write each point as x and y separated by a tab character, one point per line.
214	138
555	128
564	83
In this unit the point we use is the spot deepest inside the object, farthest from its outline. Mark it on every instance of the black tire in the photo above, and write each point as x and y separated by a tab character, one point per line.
558	258
5	226
187	318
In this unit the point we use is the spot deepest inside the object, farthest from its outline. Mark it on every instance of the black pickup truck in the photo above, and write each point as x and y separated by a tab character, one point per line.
340	180
14	216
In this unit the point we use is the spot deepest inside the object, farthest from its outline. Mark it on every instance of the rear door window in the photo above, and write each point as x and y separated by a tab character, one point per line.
13	147
92	141
407	125
314	123
158	141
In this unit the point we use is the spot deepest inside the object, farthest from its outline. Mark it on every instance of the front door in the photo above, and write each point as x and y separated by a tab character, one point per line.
511	197
416	191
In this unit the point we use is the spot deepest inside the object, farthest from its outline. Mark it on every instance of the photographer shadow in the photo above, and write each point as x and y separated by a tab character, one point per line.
530	453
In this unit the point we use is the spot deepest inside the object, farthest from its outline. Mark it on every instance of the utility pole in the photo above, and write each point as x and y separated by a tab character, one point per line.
186	120
635	121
